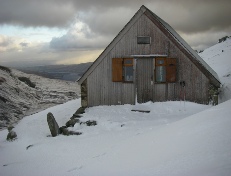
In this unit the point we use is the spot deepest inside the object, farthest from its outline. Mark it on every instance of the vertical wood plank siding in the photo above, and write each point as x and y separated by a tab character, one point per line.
144	76
102	91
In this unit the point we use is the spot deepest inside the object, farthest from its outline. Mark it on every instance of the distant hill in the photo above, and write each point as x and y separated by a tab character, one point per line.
62	72
22	94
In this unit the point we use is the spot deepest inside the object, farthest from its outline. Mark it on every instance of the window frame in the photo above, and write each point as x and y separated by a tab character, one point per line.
128	65
170	65
118	69
143	40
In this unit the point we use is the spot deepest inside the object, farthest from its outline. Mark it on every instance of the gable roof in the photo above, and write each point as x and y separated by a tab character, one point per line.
194	57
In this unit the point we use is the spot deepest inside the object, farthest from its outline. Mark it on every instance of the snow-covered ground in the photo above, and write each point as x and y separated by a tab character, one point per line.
175	138
167	141
219	58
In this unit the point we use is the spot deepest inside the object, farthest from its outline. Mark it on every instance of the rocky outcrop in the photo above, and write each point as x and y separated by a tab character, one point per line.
23	94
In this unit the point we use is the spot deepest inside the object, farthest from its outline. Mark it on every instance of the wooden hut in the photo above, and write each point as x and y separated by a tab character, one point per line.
147	61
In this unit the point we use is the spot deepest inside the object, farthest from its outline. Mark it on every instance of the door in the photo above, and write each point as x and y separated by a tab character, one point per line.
144	79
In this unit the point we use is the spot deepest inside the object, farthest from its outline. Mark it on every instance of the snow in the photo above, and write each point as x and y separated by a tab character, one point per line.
172	139
175	138
218	57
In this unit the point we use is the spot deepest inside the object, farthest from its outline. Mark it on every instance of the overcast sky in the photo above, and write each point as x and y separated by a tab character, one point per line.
37	32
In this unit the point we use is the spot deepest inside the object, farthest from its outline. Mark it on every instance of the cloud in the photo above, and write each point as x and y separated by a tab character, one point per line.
77	57
50	13
91	25
24	44
184	15
109	22
7	43
79	37
201	41
18	52
200	16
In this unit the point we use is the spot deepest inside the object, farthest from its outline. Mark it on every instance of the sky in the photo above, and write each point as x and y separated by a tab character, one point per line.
45	32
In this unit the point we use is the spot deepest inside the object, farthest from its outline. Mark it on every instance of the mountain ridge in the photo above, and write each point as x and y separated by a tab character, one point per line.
23	94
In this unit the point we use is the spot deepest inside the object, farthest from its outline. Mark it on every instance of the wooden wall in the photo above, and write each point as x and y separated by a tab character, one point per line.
102	91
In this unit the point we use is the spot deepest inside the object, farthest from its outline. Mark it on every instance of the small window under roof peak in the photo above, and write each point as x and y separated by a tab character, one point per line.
143	40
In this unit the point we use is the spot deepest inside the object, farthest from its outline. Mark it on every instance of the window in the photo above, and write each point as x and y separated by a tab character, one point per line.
122	70
165	70
143	40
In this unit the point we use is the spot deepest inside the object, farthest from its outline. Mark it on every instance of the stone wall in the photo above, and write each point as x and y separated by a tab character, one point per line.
84	102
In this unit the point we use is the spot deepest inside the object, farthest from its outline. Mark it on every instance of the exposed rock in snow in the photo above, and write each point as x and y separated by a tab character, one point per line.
11	135
53	125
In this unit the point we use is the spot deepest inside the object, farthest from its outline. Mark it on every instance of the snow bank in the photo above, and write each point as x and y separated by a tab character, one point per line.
167	141
218	57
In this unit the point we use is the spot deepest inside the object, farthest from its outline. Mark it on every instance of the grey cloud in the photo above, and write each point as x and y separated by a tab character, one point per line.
79	37
110	22
30	56
105	18
188	17
35	13
201	16
24	44
185	15
5	41
50	13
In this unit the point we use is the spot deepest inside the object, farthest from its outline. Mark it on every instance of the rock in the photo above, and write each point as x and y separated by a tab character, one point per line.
10	128
74	133
72	122
53	125
89	123
81	110
11	136
61	129
29	146
76	116
66	132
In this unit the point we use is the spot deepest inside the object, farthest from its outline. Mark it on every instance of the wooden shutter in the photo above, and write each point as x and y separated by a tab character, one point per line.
117	69
171	70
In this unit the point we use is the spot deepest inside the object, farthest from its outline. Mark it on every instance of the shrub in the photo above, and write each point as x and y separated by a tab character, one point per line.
27	81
